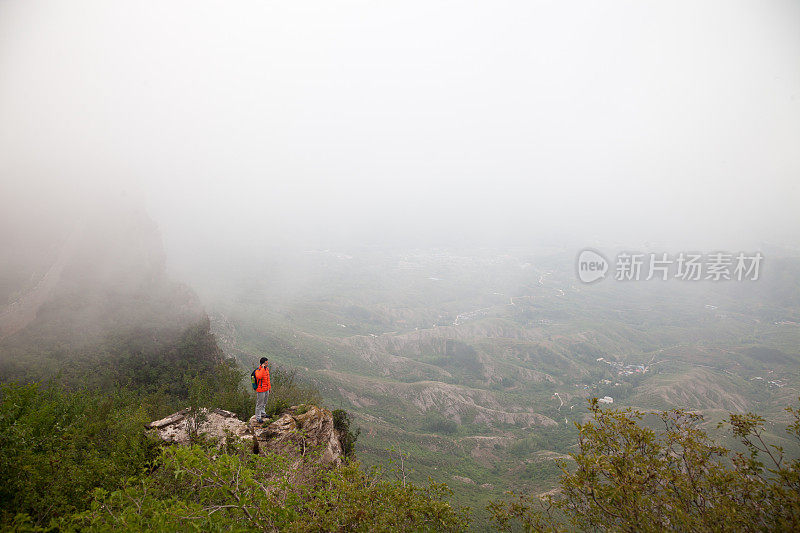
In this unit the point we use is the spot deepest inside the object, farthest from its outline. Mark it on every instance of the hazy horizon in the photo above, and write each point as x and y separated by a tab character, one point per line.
330	124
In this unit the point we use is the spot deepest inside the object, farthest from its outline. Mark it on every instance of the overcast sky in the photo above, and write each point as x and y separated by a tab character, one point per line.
356	121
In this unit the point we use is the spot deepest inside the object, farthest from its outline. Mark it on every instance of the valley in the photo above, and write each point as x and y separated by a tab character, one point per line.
474	365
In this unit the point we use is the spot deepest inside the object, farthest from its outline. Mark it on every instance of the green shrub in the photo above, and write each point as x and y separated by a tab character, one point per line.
289	389
439	424
221	386
629	477
194	489
57	445
286	391
276	406
341	421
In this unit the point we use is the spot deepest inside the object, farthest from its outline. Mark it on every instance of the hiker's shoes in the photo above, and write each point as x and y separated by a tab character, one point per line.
260	421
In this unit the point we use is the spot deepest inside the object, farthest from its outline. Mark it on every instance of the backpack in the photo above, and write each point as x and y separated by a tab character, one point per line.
253	379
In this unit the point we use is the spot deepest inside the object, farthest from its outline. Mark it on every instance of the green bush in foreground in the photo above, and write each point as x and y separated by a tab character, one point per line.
80	460
56	446
195	490
627	477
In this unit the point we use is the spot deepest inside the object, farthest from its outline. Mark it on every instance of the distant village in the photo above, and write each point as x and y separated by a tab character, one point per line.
623	369
772	382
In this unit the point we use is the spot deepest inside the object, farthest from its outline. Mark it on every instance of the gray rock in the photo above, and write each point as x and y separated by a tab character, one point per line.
294	434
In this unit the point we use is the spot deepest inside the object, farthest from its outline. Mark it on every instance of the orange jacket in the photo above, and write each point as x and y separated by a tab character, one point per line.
262	379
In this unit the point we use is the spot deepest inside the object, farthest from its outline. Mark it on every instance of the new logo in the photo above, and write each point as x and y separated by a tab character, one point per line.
592	266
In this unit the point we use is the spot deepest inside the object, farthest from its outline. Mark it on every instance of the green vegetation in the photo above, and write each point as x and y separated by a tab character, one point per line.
287	390
76	457
555	438
163	367
77	424
193	488
80	460
628	477
438	424
57	445
341	421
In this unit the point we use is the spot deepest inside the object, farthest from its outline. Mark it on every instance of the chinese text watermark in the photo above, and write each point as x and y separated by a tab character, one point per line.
685	266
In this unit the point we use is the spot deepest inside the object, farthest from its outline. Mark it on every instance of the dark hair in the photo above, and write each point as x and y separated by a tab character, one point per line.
263	360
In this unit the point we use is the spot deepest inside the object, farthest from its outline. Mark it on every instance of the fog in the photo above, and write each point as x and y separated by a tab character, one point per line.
246	125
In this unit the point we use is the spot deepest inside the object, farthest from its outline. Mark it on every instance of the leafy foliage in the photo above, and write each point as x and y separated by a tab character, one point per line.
58	443
221	387
341	421
56	446
628	477
196	490
288	390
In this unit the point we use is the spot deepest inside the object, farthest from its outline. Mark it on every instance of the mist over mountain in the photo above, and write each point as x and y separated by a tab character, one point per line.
89	283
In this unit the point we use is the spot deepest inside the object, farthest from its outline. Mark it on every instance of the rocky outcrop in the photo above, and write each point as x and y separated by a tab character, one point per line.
299	432
185	426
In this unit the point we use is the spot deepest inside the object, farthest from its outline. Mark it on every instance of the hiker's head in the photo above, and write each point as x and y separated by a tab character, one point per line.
263	360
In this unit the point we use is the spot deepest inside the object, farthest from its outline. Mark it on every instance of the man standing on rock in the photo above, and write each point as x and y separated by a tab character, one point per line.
262	389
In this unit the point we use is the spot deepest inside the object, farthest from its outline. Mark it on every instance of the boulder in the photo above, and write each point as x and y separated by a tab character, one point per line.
299	432
214	424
